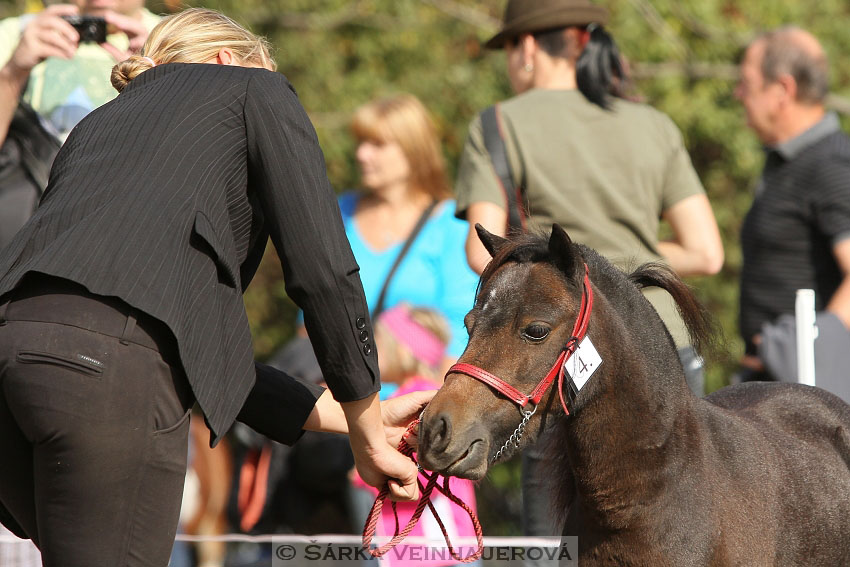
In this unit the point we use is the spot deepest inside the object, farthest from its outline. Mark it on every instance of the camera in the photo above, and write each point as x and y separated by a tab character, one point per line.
92	29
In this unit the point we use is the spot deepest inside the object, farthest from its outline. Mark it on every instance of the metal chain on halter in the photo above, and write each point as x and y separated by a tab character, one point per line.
424	500
516	436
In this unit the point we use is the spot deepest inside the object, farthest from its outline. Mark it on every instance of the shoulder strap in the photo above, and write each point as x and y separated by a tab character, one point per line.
495	145
402	253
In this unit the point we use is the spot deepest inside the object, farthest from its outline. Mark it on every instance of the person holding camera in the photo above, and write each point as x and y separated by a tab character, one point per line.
54	69
62	74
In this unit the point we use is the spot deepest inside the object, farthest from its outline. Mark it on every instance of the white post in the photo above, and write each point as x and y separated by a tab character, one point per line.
806	334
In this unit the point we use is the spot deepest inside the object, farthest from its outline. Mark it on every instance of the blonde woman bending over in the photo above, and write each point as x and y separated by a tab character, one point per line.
120	301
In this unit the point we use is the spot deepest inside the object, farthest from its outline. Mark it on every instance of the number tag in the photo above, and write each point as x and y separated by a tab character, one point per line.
583	363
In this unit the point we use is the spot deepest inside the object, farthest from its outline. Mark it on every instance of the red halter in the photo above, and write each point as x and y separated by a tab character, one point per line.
579	331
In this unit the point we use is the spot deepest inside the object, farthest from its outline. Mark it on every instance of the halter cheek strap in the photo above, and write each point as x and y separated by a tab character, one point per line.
557	370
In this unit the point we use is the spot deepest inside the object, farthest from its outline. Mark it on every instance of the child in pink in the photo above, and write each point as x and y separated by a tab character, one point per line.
411	349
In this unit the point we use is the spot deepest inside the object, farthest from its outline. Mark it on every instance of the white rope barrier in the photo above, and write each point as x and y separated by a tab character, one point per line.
335	550
491	541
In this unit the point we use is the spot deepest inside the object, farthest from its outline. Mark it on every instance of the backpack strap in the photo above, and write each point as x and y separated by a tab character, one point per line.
495	145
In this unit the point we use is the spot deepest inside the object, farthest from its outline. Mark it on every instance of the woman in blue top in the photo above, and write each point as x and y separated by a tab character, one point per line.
402	173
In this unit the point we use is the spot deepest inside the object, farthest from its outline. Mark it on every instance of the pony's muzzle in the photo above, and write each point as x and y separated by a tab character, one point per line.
452	450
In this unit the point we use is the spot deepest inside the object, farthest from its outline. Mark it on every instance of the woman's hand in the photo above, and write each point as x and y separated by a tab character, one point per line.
46	35
374	432
397	414
376	460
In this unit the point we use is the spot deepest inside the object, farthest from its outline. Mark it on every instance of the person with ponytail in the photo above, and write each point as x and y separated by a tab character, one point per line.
121	300
582	155
196	36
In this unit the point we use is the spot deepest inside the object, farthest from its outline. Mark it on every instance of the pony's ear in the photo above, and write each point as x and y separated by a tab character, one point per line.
490	241
561	248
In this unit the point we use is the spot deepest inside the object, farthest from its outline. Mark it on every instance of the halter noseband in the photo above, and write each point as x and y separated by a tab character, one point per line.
557	370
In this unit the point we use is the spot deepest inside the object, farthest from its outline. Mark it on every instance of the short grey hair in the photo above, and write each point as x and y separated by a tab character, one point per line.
786	54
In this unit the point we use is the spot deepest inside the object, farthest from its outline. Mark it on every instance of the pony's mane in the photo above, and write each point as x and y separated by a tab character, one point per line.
527	248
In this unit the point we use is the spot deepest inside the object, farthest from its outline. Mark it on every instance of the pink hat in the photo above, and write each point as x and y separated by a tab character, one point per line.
424	344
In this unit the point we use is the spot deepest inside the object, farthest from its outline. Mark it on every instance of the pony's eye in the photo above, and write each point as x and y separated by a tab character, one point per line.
535	332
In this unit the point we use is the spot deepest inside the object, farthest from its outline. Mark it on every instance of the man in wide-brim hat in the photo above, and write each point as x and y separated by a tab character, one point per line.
531	16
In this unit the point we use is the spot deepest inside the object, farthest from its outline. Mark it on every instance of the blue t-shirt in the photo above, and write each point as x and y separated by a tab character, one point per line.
433	274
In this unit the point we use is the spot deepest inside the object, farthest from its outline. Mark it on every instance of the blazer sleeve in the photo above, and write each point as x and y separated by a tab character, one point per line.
278	404
287	170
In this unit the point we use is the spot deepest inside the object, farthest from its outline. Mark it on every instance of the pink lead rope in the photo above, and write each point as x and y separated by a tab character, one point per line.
424	500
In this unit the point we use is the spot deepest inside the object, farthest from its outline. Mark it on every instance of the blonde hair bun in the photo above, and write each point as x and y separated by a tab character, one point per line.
128	70
195	35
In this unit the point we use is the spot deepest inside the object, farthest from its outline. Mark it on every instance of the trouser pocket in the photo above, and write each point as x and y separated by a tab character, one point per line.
79	363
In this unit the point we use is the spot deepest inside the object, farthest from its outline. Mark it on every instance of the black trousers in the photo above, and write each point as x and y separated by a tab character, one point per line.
94	422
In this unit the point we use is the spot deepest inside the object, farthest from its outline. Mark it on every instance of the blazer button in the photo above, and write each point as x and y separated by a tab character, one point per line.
361	323
367	349
364	336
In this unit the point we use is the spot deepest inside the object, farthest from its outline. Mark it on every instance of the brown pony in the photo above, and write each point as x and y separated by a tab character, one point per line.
754	474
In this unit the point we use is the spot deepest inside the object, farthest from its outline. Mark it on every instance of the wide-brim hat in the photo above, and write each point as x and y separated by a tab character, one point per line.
529	16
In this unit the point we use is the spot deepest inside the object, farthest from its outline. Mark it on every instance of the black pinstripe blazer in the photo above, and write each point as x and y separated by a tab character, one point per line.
166	197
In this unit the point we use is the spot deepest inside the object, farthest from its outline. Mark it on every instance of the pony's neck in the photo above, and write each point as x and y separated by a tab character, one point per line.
616	439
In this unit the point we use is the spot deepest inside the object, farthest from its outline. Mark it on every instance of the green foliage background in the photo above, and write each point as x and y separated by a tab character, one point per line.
342	53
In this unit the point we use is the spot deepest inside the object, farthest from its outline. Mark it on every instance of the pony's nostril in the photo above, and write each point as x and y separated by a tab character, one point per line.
440	433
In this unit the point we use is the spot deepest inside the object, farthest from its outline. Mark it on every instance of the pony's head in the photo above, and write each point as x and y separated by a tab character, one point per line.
535	306
529	300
